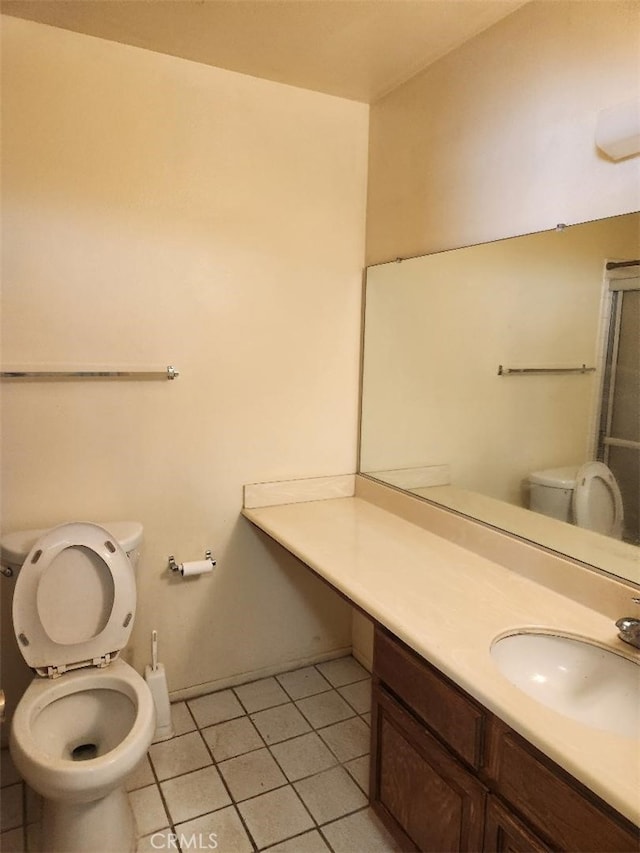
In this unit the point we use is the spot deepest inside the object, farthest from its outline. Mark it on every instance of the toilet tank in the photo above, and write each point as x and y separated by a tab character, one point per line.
551	492
14	547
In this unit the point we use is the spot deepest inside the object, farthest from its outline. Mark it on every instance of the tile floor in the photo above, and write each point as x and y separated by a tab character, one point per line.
279	764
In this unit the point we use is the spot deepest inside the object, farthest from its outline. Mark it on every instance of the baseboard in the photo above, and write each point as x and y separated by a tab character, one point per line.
255	675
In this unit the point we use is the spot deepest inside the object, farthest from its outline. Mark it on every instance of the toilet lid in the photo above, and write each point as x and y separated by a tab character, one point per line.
597	502
74	599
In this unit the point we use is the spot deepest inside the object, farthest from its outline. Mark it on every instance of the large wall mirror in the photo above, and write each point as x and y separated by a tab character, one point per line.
493	373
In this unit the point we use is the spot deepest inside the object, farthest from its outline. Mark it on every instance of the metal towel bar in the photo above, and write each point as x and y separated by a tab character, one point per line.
531	371
106	373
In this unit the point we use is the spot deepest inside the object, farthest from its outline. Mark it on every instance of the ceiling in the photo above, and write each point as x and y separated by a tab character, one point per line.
357	49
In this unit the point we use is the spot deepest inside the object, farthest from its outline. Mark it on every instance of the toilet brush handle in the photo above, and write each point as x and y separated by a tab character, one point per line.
154	650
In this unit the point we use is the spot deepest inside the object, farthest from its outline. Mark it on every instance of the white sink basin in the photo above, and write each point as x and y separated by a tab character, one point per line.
578	679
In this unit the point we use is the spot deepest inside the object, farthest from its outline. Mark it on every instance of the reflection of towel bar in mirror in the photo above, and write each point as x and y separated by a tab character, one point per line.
532	371
106	373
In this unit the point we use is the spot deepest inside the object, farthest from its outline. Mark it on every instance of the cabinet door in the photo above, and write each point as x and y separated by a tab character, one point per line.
554	803
452	715
423	794
504	833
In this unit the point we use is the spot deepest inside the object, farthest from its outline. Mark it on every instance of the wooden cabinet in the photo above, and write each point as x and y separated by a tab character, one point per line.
504	833
454	717
447	775
551	801
421	787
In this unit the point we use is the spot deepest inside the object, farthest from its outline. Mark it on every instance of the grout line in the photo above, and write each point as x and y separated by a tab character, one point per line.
23	805
355	811
325	839
324	726
308	695
252	841
288	783
162	797
190	712
304	806
24	810
291	838
217	762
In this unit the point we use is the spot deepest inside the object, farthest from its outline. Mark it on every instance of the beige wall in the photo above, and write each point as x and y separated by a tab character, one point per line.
497	138
156	212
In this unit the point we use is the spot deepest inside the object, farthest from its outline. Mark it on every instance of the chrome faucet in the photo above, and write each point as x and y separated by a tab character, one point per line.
629	630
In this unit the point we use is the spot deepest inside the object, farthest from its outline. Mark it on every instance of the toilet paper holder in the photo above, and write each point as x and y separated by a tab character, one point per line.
179	567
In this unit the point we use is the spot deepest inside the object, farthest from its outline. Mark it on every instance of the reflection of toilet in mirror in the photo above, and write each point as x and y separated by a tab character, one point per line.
587	496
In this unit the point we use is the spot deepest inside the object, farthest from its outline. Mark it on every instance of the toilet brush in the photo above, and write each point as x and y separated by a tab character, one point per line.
157	680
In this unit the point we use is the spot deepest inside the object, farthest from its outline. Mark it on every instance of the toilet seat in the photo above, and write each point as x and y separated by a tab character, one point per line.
76	611
597	502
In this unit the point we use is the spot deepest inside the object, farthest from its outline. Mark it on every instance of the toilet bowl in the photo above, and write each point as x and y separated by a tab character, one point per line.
587	496
87	719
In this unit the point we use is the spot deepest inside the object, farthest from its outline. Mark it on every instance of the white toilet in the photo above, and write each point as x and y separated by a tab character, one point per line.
87	719
587	496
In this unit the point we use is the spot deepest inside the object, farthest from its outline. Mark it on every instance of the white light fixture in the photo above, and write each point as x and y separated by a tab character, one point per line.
618	130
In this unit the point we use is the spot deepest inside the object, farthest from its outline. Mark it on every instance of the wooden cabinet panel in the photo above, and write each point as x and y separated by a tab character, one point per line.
457	719
421	787
555	803
504	833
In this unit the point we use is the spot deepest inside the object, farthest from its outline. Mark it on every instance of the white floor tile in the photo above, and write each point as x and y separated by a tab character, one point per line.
251	774
358	695
181	719
141	776
262	694
148	810
160	840
348	739
9	775
235	737
34	803
221	831
359	769
325	708
11	807
310	842
330	795
343	671
303	756
281	723
33	837
215	708
179	755
275	816
359	832
195	794
12	841
303	682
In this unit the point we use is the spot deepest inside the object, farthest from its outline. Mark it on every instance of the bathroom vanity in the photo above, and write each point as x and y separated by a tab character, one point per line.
461	758
447	774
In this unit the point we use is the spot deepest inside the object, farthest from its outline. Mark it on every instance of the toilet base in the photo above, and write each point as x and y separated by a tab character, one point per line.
106	825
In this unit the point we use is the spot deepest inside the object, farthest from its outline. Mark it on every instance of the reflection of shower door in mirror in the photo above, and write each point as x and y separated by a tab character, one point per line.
619	433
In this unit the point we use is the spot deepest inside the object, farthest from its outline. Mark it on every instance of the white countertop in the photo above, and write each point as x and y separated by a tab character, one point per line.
448	604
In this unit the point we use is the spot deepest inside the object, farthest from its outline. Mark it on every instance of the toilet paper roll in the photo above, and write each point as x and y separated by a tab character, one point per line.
196	567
